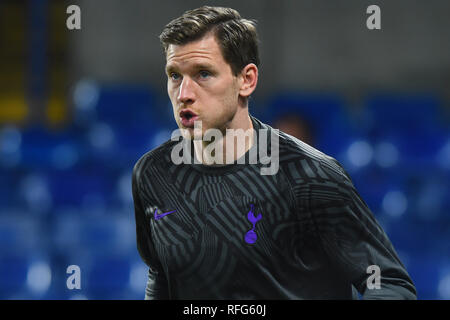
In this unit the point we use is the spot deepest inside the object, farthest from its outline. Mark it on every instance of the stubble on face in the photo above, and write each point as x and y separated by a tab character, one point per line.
215	99
213	96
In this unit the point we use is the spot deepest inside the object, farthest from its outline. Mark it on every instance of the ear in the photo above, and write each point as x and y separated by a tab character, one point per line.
248	80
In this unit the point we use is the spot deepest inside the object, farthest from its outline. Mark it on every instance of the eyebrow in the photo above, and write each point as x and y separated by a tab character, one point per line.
169	69
196	66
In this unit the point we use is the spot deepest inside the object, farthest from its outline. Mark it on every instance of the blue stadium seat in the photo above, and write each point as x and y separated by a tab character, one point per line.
373	184
19	233
108	277
7	186
133	143
13	276
22	241
331	123
424	271
93	232
74	186
428	191
119	146
409	112
321	110
45	148
413	123
124	104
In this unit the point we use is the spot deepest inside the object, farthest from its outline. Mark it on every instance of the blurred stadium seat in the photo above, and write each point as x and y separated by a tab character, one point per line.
43	148
415	123
407	112
67	191
13	276
126	106
327	113
76	186
109	276
77	111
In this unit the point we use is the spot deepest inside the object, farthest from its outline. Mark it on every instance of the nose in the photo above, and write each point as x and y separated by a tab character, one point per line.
186	93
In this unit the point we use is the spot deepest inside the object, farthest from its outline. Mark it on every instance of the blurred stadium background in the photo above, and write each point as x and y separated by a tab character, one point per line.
78	108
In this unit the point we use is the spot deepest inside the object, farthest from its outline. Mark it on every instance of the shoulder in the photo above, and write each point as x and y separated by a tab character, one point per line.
306	164
156	158
291	147
315	176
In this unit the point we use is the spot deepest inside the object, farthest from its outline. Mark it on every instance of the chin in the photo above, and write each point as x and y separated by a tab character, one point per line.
187	133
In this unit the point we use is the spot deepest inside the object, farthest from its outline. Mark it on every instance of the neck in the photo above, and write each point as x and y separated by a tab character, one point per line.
236	139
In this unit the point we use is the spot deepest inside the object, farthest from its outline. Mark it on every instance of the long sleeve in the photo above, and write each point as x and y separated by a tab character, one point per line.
157	286
353	239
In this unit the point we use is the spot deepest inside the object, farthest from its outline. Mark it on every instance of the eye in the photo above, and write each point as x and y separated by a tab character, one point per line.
204	74
174	76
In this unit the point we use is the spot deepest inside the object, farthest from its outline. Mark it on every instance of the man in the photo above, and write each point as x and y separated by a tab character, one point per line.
223	230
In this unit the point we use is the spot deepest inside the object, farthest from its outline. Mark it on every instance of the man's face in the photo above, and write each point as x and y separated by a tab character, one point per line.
201	85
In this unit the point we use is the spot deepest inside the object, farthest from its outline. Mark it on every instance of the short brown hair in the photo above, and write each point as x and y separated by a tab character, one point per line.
237	37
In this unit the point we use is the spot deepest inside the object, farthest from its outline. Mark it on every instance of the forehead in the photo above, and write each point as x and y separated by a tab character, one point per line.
206	49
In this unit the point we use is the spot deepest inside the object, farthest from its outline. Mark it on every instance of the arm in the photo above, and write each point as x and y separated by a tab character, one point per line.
157	286
353	239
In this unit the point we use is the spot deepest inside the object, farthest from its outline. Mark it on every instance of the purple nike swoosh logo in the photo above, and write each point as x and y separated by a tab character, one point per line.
159	216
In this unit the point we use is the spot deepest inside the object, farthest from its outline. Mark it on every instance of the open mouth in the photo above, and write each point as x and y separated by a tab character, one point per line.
188	117
188	114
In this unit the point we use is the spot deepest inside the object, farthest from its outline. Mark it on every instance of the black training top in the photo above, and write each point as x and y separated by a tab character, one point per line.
229	232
